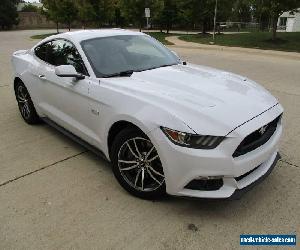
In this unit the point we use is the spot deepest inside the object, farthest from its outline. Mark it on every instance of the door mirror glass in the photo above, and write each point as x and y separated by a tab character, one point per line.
68	71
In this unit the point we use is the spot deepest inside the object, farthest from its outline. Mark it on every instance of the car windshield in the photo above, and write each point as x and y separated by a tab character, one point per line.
110	56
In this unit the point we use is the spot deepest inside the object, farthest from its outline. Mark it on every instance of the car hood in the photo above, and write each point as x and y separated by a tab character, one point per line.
205	99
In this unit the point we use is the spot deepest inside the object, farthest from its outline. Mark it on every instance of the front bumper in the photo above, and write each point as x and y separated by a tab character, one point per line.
183	165
239	192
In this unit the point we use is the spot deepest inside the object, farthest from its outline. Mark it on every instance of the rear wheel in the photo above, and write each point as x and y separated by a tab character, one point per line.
25	104
137	166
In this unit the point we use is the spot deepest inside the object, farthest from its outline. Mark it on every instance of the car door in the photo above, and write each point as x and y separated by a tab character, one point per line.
65	99
32	76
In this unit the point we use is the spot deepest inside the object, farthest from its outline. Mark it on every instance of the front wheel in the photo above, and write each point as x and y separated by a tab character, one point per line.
137	166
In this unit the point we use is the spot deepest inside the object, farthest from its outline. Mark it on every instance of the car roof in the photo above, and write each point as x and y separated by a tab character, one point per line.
81	35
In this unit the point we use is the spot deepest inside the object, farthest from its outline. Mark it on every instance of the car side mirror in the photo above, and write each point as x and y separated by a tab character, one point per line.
68	71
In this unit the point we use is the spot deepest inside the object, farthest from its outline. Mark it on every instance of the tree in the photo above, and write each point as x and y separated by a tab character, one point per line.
201	12
30	8
185	14
134	10
168	14
51	11
67	12
60	11
241	11
275	8
119	19
225	11
86	12
261	13
8	14
109	8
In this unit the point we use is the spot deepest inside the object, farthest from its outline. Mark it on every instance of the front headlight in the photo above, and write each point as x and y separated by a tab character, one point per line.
192	140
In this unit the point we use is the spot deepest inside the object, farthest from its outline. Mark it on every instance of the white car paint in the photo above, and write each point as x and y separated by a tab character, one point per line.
187	98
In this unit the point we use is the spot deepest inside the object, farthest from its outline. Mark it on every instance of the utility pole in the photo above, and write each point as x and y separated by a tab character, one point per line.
215	20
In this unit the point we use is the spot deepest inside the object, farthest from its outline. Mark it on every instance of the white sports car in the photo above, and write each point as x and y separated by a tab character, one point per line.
166	125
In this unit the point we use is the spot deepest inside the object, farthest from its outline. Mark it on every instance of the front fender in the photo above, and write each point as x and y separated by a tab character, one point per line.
147	119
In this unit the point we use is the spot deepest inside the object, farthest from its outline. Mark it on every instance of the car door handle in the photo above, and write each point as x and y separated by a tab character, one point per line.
42	77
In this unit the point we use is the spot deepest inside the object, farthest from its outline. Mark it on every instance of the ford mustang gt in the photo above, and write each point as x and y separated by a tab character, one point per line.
166	126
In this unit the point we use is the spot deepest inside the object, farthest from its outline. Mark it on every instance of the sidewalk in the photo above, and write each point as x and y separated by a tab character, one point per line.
190	45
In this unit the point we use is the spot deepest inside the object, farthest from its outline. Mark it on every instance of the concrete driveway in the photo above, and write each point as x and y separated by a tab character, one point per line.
56	195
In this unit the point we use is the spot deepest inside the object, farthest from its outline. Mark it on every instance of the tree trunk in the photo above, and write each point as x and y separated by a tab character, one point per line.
274	33
274	27
260	19
57	30
69	26
203	27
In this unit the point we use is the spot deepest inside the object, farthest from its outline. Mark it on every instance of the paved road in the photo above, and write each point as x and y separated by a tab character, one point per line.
55	195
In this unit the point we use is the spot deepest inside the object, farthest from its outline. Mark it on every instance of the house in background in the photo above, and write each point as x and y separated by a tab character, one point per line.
289	22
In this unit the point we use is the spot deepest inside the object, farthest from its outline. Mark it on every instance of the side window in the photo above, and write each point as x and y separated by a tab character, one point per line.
65	53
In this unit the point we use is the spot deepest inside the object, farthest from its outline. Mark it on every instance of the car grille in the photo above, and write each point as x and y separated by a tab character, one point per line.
257	138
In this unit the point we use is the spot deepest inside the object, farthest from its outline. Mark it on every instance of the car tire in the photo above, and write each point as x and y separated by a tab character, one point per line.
25	104
137	166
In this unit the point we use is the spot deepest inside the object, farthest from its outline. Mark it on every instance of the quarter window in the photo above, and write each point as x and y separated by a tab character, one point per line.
41	50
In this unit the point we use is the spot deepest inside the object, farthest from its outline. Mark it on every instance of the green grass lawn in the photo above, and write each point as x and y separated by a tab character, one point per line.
42	36
157	35
259	40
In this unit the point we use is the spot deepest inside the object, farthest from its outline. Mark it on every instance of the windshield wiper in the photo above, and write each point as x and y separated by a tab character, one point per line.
160	66
167	65
126	73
